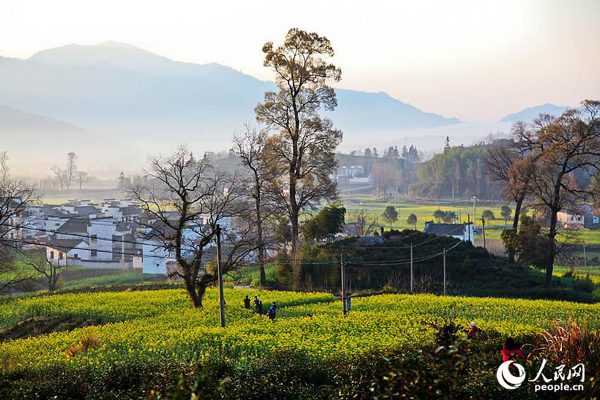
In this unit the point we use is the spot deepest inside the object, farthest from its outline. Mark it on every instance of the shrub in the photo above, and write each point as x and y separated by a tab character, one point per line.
583	284
571	343
89	342
570	273
434	374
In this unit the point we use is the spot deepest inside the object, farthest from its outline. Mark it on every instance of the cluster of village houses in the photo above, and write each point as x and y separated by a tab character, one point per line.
111	234
114	233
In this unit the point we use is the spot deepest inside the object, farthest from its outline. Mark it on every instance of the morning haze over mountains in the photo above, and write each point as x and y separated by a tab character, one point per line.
121	102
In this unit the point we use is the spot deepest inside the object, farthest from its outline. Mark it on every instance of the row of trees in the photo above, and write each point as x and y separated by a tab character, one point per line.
410	154
458	172
550	166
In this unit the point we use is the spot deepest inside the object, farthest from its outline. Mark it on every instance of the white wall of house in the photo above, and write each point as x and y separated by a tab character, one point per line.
155	258
567	219
468	234
101	249
361	179
138	263
113	212
71	257
349	171
98	264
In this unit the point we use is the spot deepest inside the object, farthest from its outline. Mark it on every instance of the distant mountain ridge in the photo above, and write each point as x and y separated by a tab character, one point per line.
124	56
531	113
125	92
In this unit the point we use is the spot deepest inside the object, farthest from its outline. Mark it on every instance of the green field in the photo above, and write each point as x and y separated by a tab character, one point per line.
424	210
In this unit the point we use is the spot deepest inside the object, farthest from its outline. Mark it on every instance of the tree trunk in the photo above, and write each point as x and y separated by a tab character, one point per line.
551	248
202	286
295	255
515	227
294	217
259	231
194	297
261	251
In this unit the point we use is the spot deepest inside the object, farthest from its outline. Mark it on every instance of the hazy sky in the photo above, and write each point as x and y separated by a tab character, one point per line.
475	60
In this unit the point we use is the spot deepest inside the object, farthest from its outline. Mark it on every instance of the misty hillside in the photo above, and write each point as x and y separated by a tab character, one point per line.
29	126
531	113
35	143
125	92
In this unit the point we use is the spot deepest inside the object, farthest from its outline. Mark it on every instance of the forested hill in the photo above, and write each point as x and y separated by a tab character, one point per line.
458	171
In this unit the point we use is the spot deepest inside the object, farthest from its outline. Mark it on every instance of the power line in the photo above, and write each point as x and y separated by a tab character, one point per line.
68	248
73	234
404	261
306	261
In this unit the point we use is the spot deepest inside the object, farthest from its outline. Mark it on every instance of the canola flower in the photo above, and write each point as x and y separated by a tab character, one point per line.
151	326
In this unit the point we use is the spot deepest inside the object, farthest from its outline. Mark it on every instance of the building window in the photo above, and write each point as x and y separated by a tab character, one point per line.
94	253
75	256
60	256
52	255
94	238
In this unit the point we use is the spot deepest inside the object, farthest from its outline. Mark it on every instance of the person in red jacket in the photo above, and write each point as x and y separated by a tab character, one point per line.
511	350
474	330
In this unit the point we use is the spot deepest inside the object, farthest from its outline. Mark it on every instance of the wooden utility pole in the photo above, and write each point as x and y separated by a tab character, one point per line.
220	276
411	270
123	250
469	229
444	257
483	231
343	279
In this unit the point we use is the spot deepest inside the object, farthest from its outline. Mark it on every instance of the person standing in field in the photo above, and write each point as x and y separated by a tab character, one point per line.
273	311
260	307
474	330
247	303
348	304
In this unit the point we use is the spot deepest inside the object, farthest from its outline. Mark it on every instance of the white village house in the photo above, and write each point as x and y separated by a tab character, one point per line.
584	218
463	231
78	233
157	260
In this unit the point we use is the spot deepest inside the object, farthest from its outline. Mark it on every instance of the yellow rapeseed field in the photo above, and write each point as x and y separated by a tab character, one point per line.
160	325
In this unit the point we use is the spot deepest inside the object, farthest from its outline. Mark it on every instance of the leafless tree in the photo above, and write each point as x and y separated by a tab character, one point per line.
60	176
185	200
71	170
52	272
556	149
4	167
365	225
14	195
250	147
82	178
505	164
385	177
